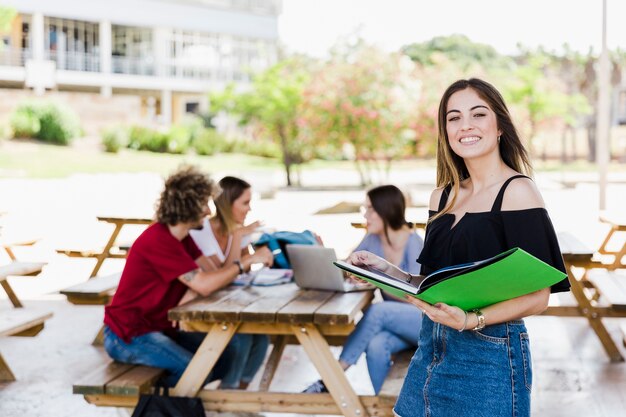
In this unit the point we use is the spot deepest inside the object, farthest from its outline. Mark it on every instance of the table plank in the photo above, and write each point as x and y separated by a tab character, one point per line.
343	308
194	310
274	298
303	308
230	309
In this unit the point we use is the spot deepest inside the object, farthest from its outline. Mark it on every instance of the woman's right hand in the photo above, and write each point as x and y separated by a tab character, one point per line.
368	259
262	255
248	229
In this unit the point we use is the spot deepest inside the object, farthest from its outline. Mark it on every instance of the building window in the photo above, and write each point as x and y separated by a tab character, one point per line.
192	107
133	50
72	44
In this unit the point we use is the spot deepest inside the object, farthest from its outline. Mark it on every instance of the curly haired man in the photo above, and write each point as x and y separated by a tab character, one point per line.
163	267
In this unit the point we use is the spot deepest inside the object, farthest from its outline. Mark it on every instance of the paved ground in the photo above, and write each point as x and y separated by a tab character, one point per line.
570	365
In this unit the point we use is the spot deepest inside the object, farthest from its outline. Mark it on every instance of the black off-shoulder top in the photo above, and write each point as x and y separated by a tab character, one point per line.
482	235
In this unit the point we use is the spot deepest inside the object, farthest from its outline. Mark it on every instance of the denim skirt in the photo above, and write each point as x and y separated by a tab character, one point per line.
482	373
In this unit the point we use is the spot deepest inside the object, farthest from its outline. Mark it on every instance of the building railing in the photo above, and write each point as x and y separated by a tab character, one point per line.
132	65
89	62
14	57
74	61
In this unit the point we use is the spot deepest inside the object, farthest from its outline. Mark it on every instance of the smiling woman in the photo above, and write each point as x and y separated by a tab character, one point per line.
481	176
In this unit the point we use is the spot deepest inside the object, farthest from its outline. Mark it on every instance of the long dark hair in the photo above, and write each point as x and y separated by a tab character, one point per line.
231	189
451	168
389	203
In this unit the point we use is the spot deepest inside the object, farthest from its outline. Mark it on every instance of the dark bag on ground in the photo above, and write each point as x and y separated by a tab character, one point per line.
160	404
277	241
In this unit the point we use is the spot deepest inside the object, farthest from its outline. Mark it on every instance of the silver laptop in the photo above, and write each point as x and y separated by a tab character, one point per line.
313	269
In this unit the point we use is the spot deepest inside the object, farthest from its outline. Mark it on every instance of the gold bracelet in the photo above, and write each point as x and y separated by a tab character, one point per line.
481	320
464	322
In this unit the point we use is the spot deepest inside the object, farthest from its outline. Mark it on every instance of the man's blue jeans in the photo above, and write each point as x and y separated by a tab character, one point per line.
386	328
239	362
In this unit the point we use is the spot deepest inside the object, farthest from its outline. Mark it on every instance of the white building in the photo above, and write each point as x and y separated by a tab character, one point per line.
162	55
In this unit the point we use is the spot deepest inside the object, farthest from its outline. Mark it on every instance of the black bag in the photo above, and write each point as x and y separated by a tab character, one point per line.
160	404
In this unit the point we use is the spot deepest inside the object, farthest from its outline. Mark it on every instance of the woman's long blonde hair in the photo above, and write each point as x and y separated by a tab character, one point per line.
451	168
231	188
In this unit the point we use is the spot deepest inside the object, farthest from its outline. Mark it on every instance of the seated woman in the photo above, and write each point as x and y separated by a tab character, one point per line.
392	325
224	239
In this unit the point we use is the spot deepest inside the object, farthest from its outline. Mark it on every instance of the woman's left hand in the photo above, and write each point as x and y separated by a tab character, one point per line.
441	313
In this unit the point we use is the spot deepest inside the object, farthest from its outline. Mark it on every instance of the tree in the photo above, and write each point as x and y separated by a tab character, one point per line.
7	14
457	48
539	87
365	99
271	104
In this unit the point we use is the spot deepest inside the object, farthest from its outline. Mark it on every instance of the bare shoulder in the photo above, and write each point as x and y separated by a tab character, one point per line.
521	194
435	197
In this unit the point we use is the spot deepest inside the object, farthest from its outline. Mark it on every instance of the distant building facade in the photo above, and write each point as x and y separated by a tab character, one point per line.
161	55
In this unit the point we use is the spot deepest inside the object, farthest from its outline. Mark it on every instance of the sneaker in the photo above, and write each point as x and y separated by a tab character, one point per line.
317	387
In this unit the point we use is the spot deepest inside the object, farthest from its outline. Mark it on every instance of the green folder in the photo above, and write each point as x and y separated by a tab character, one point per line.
510	274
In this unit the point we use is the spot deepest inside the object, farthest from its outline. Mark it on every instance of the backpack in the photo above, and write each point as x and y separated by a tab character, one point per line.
277	241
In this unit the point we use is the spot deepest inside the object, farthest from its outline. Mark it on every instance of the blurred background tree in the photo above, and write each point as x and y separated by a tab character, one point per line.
271	104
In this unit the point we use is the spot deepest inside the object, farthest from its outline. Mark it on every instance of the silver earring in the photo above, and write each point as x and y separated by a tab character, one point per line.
498	139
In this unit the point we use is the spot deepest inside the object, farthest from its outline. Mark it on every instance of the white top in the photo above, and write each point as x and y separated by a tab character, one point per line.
207	242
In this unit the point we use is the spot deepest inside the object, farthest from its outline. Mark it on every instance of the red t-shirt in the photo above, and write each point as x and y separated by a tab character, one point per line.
149	285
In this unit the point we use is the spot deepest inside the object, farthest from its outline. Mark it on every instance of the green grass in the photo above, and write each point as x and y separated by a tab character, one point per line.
30	159
34	160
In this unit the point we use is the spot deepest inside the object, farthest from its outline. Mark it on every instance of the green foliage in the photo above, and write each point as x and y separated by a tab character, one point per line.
262	148
271	106
457	48
7	14
146	139
179	139
114	138
24	123
364	100
209	142
58	124
47	121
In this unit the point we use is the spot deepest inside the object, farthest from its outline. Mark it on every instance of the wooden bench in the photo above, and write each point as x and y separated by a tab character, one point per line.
110	250
611	287
120	383
96	291
591	295
18	268
19	322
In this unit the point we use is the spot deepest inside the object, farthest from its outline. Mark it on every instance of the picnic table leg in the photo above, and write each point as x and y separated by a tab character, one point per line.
9	252
333	376
99	339
204	359
7	288
617	263
105	252
272	363
5	372
595	320
606	241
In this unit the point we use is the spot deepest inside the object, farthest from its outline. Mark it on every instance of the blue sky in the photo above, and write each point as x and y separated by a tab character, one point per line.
313	26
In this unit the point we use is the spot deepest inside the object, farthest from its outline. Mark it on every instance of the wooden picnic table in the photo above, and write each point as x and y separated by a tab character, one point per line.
618	224
314	319
18	320
579	260
119	222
